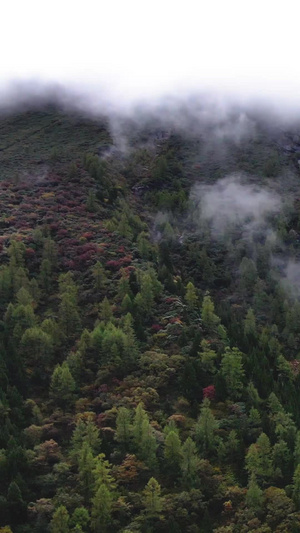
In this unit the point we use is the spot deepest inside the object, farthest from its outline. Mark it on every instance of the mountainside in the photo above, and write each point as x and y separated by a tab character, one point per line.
149	329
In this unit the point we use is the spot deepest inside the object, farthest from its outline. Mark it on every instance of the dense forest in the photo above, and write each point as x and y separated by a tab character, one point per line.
150	323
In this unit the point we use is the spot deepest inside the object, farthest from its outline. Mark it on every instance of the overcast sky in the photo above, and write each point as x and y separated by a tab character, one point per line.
141	49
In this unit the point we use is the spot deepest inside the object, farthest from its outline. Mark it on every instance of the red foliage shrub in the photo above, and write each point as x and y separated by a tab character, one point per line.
29	252
156	327
126	260
209	392
170	300
62	233
87	235
115	265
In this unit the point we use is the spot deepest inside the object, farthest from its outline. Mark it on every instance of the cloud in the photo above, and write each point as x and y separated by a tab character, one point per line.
233	201
136	51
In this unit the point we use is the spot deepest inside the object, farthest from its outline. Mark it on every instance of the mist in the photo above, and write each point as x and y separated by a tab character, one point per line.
234	201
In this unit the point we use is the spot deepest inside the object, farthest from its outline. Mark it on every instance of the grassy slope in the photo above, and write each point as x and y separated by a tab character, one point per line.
30	139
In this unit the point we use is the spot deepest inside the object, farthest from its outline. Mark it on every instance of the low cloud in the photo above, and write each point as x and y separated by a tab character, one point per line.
233	201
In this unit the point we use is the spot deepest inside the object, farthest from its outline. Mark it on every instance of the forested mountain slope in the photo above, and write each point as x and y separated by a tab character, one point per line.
149	329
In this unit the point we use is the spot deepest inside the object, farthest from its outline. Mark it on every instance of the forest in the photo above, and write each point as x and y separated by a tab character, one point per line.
150	323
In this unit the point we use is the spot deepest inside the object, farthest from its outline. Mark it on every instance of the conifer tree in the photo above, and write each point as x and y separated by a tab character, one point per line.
106	313
60	521
99	276
191	296
123	427
209	318
173	452
69	320
254	497
232	372
190	461
140	416
86	464
152	498
205	428
101	510
62	385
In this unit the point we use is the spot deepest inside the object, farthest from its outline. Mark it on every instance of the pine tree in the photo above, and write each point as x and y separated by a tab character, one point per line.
99	276
232	372
85	431
250	324
152	498
148	445
91	202
106	313
69	320
209	318
248	273
15	502
101	510
36	346
124	286
123	427
190	461
254	497
173	452
205	428
45	275
191	296
139	417
102	473
62	385
259	458
146	292
81	518
50	252
127	304
60	521
86	464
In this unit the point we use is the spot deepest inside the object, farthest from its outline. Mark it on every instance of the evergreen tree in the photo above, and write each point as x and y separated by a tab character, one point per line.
81	518
259	458
101	510
60	521
123	427
69	320
190	461
173	452
62	385
250	324
209	318
15	502
254	497
106	313
148	445
86	464
102	473
191	296
87	432
152	498
232	372
248	273
205	428
99	276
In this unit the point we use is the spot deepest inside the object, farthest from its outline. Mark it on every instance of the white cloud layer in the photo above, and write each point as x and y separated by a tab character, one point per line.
130	49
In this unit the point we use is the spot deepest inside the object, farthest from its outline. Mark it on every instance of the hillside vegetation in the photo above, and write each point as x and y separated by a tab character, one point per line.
149	329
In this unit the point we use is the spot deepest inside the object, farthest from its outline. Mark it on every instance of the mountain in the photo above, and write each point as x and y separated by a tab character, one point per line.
149	329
